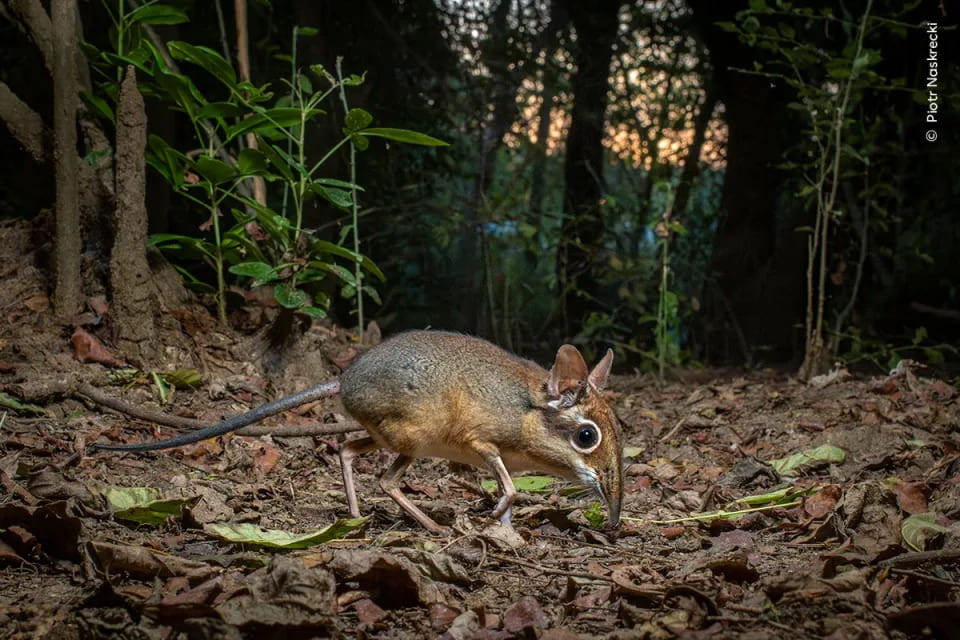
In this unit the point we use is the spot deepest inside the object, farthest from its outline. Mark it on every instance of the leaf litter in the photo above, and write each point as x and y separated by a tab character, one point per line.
773	533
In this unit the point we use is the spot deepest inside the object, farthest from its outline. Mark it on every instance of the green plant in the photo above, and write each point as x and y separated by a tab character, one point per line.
831	77
266	246
667	301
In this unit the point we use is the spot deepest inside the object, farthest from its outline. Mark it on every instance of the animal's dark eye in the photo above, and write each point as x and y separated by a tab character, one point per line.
586	437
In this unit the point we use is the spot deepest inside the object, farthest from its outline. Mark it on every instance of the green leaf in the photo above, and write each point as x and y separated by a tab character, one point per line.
356	119
780	496
214	170
157	14
359	142
374	295
919	528
98	105
247	533
823	453
221	110
314	312
142	505
353	80
167	160
206	58
180	90
252	269
251	162
595	514
758	5
184	378
532	484
290	297
335	269
176	241
339	198
7	401
162	387
269	119
268	149
404	135
333	182
307	31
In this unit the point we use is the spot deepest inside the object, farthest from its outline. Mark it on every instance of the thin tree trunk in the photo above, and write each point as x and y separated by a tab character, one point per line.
243	67
691	164
596	27
67	245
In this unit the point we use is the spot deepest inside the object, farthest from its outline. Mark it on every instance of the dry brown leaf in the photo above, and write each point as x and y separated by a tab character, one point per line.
88	349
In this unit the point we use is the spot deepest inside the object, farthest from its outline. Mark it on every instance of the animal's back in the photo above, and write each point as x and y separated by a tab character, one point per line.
437	384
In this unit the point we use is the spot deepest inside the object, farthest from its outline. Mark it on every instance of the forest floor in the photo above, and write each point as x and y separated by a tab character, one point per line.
834	544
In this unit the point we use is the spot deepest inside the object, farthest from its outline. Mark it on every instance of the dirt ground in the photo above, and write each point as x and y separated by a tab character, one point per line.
844	551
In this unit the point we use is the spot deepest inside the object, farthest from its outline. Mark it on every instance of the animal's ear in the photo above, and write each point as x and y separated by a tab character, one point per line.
598	377
568	372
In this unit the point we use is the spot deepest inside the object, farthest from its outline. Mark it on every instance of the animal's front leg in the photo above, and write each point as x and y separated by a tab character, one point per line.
508	493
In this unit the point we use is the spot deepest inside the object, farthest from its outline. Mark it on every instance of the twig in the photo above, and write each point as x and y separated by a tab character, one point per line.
549	570
921	557
924	576
669	435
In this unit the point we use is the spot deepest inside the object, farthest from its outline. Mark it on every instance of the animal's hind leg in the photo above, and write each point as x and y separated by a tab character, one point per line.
389	482
348	451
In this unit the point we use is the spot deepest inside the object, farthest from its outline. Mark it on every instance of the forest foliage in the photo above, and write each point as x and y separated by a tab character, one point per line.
685	181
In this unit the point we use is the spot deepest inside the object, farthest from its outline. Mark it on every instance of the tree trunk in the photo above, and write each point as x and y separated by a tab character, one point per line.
691	164
67	290
596	28
758	261
558	22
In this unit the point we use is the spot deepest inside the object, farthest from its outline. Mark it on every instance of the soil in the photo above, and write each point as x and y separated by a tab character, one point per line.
841	553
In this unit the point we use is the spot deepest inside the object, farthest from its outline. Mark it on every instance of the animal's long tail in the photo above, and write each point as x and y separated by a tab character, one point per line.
236	422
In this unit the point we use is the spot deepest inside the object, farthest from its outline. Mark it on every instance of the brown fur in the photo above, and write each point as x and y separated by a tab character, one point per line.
438	394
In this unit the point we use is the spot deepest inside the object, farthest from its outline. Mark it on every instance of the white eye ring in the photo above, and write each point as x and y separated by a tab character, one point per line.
586	437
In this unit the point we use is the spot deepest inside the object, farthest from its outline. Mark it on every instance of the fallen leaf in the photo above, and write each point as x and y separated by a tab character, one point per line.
88	349
98	304
52	525
145	563
248	533
632	452
368	611
911	496
464	627
38	303
526	613
823	453
822	502
392	581
143	505
286	598
533	484
671	532
442	616
918	529
266	457
9	402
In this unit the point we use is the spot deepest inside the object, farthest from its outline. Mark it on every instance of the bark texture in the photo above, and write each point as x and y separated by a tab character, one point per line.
67	290
596	28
